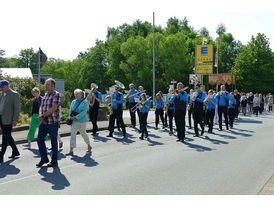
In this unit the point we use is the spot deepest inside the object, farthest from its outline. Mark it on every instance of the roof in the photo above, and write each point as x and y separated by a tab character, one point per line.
17	72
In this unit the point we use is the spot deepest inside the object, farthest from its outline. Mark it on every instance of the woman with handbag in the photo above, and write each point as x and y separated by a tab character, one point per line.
78	116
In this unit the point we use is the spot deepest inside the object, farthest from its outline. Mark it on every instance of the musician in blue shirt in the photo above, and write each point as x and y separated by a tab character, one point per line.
232	109
180	103
159	105
190	107
133	93
170	110
198	113
140	92
210	102
143	114
222	102
117	100
94	108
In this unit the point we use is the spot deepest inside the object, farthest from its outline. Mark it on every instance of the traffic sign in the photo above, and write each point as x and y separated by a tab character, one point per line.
173	82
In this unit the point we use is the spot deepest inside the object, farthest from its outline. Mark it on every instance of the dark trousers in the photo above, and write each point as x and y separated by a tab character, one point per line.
222	110
159	113
231	115
189	117
210	113
52	130
143	116
170	114
117	114
165	118
7	139
256	110
93	115
132	114
180	123
198	116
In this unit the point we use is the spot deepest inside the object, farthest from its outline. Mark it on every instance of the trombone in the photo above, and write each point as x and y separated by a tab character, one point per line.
177	91
140	104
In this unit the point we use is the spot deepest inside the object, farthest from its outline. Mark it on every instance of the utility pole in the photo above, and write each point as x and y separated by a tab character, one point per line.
153	58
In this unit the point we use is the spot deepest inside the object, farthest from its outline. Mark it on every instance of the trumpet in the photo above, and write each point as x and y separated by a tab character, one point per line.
177	91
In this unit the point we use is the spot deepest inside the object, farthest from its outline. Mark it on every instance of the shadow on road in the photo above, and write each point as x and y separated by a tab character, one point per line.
198	148
86	160
7	169
98	138
56	178
214	141
153	143
124	140
240	120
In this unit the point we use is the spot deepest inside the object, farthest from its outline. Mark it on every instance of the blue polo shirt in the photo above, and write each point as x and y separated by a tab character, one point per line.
145	109
132	92
222	101
161	102
202	98
115	104
183	97
210	105
232	102
171	101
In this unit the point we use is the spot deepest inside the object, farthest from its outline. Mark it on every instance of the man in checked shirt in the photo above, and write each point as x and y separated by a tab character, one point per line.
49	117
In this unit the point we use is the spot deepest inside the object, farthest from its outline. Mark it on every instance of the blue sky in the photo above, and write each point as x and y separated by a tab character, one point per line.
65	28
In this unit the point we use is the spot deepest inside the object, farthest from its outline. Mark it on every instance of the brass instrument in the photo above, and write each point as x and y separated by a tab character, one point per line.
120	85
109	105
91	98
140	104
190	103
167	105
177	91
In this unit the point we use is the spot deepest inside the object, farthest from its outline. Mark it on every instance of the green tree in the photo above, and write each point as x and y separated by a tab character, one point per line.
27	60
254	68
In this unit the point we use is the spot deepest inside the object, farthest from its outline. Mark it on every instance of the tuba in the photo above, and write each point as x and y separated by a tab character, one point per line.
91	98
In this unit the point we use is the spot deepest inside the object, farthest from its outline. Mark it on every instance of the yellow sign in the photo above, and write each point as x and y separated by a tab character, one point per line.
204	41
204	59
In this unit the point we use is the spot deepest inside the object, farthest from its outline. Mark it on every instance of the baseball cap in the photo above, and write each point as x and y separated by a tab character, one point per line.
3	83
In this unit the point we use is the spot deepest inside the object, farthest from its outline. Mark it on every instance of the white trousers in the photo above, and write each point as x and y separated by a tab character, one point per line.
78	127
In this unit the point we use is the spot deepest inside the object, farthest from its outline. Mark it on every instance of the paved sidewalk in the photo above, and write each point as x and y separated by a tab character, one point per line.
20	136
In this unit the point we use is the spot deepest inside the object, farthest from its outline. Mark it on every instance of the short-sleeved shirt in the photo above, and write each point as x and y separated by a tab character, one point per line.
47	102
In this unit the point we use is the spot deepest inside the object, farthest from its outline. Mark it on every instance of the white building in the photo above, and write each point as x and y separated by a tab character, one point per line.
17	72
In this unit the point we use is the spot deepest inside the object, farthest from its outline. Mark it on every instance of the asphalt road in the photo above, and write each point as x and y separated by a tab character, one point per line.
239	161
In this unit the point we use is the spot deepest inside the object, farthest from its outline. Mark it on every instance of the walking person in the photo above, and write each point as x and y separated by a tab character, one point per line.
168	97
244	104
170	113
9	115
210	102
232	109
143	114
198	112
270	102
159	112
256	104
34	122
250	103
237	97
132	94
116	101
49	118
180	102
261	103
78	115
223	103
94	101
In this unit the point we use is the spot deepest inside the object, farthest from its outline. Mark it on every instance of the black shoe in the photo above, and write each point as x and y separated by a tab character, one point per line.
196	135
146	136
94	133
170	132
178	140
124	134
209	131
119	129
40	164
203	131
156	127
109	135
14	155
220	129
142	138
183	140
1	159
52	164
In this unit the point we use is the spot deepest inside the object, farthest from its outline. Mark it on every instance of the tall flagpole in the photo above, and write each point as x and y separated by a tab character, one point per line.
153	58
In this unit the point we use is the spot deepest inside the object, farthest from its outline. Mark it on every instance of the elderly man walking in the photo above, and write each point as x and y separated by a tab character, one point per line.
49	118
9	115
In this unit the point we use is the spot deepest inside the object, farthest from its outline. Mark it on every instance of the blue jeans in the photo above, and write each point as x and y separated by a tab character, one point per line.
244	110
52	130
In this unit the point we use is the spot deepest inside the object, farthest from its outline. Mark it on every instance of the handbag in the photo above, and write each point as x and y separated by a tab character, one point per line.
74	113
